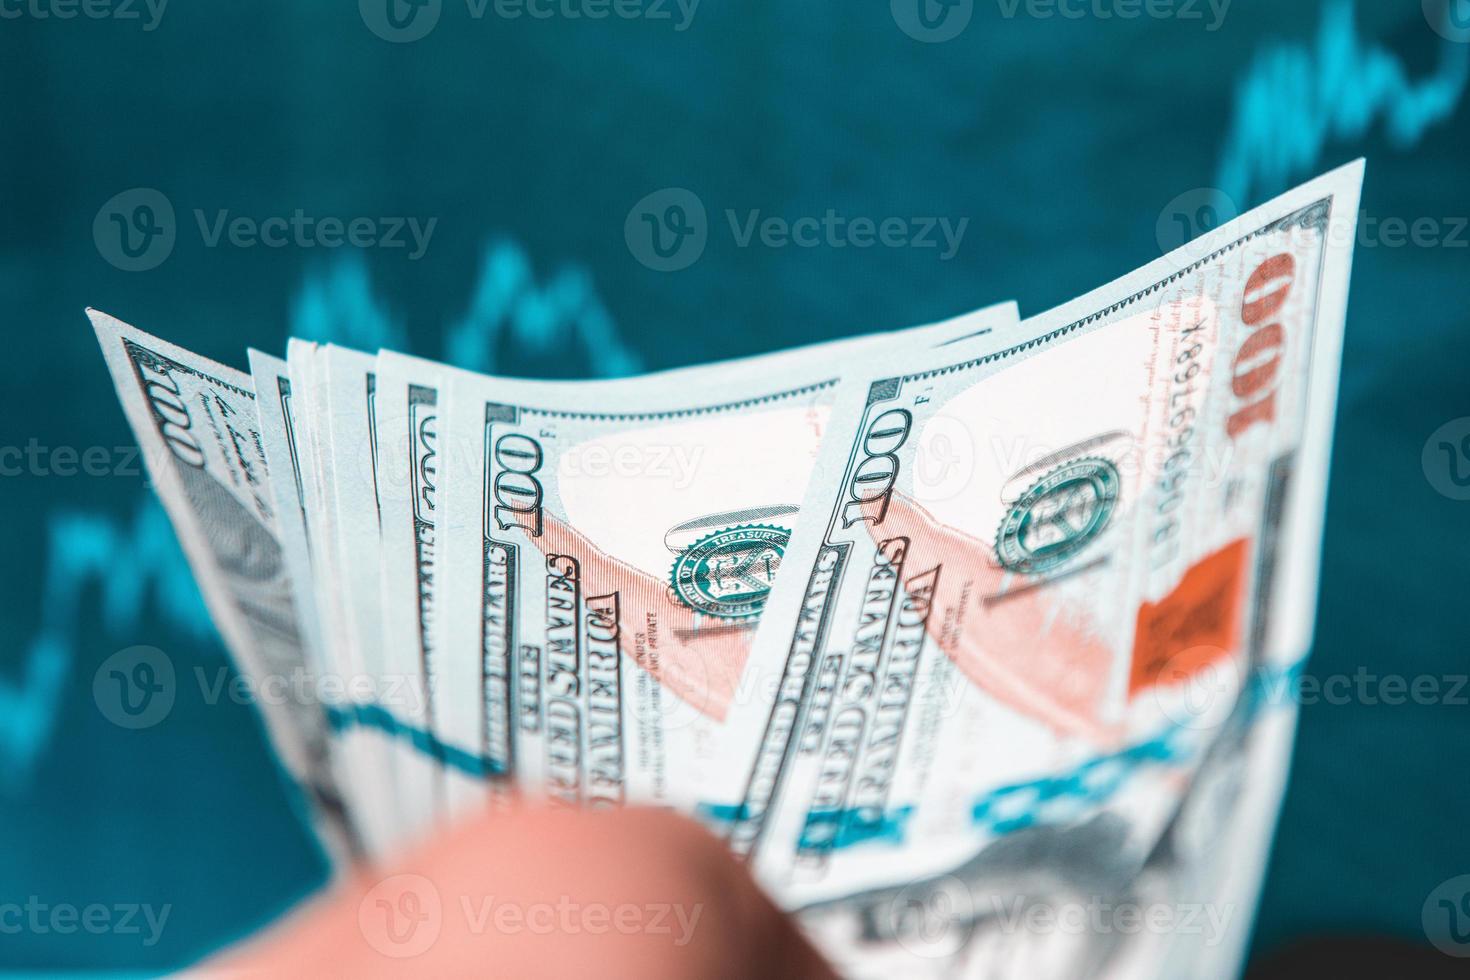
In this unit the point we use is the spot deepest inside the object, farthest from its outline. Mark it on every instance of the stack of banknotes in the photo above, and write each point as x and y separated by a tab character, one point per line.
966	637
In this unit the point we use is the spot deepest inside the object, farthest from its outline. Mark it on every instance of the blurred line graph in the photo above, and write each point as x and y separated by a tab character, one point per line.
137	563
129	563
1291	103
1295	99
510	323
510	313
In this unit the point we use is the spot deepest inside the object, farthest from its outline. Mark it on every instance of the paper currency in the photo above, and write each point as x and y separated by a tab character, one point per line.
612	547
411	396
339	391
958	634
281	441
196	422
1018	570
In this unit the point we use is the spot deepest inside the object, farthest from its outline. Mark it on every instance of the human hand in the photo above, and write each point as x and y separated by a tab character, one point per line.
541	892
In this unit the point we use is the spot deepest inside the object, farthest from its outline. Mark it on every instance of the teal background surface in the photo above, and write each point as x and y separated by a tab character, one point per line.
1075	148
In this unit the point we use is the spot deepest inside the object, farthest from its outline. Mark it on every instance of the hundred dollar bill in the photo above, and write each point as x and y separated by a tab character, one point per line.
1062	900
1018	570
334	390
284	451
278	431
411	397
196	422
611	548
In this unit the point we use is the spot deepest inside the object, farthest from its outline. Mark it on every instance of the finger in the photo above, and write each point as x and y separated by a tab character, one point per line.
538	892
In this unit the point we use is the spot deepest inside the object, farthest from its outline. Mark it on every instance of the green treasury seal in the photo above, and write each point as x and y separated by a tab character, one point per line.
729	573
1058	516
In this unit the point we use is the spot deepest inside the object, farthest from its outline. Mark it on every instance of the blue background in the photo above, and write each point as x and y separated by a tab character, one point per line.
1066	142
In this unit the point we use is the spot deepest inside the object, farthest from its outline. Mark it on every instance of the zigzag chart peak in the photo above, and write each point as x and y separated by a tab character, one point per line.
510	322
131	563
1297	99
136	562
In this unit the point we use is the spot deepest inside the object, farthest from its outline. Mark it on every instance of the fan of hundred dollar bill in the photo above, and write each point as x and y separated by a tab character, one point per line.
965	636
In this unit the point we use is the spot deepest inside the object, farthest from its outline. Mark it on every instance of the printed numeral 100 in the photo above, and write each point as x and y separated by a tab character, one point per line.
516	490
871	482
